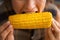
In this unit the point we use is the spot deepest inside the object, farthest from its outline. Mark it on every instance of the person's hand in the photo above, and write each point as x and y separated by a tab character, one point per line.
54	32
6	31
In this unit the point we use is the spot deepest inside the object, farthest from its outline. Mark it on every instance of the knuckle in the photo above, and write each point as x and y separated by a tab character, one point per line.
0	30
1	37
11	27
59	31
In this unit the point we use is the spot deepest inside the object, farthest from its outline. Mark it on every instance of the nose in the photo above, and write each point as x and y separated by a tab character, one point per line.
30	6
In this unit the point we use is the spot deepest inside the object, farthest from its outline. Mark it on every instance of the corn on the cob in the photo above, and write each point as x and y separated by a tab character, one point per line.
31	20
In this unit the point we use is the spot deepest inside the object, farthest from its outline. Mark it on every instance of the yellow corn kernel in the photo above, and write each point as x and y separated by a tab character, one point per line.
31	20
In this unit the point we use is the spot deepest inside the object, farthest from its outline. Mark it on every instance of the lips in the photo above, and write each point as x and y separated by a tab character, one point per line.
22	12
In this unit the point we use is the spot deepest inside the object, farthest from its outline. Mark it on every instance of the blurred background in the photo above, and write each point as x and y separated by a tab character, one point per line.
57	2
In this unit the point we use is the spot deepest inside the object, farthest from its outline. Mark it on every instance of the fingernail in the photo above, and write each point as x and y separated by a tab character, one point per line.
11	25
53	19
8	22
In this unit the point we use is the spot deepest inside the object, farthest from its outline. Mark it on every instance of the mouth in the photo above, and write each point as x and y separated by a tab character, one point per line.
28	12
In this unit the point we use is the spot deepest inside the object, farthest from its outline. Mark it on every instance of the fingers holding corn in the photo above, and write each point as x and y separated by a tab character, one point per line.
6	31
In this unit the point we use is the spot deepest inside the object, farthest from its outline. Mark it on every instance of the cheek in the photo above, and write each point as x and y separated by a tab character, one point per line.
40	5
17	6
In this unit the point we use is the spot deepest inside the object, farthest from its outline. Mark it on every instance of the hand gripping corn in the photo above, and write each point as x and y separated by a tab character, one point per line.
31	20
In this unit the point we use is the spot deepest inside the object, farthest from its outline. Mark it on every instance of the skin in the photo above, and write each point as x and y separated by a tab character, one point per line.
19	6
28	5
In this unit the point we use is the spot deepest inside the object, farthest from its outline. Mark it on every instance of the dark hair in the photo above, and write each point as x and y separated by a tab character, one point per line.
51	1
8	5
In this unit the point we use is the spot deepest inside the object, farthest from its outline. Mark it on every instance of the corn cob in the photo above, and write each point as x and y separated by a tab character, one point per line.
31	20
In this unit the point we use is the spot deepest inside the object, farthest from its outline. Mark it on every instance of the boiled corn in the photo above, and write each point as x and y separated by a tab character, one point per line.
31	20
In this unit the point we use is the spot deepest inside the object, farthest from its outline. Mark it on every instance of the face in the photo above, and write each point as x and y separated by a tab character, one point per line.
21	6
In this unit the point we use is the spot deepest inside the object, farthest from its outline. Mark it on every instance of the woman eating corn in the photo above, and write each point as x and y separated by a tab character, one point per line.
29	6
